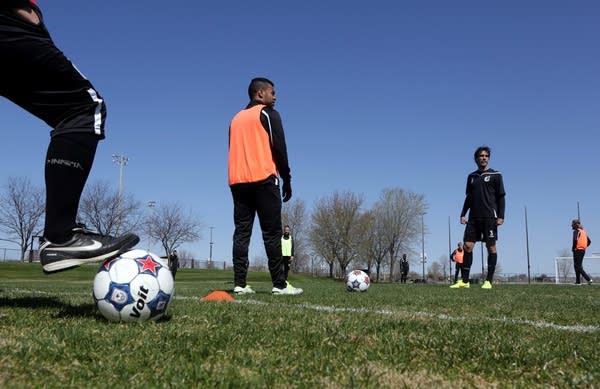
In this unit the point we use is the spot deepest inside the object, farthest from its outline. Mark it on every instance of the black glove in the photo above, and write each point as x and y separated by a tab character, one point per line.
286	191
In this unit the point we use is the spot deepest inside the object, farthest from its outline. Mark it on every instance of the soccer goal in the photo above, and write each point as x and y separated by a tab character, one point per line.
564	271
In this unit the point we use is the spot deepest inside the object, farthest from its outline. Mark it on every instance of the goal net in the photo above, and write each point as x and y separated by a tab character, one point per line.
564	272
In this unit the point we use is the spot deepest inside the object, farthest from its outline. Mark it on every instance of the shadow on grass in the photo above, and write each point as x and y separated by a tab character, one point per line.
66	310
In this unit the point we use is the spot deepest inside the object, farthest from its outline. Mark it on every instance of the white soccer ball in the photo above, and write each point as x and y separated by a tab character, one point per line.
135	286
357	281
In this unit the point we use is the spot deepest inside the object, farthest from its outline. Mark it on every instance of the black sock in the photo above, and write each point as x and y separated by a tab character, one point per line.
466	266
68	163
492	260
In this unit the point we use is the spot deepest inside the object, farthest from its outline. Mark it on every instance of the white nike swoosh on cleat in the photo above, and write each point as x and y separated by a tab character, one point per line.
94	246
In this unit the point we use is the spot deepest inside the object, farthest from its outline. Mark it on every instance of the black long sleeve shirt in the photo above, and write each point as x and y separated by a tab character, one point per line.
271	121
484	195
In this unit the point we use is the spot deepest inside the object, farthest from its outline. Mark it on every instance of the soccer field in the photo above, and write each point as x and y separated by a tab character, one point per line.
392	336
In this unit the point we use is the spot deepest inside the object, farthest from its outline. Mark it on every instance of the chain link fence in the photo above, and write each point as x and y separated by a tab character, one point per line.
11	255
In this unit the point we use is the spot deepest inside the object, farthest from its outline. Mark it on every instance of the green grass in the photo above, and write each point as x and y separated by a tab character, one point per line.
392	336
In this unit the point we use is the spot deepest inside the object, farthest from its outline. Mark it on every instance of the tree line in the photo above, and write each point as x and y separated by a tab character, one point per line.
340	232
22	207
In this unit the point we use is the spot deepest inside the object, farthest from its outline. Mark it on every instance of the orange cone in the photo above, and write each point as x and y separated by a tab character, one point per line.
218	295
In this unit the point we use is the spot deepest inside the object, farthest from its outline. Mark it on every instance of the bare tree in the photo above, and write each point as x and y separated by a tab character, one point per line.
435	270
171	226
322	235
101	209
400	213
185	258
565	264
373	247
21	210
444	266
259	263
294	215
337	229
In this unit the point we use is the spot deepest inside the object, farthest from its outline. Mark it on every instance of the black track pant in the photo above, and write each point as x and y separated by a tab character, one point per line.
458	266
287	263
578	265
37	76
262	199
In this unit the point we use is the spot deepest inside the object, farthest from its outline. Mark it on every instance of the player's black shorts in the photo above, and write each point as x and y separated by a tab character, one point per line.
481	230
37	76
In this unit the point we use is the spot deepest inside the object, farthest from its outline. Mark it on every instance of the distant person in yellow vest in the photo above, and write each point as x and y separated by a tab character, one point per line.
457	257
257	165
287	250
581	241
404	267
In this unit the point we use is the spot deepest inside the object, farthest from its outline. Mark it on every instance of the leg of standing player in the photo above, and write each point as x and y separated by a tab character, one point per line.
491	229
492	260
244	211
269	215
465	269
578	265
286	266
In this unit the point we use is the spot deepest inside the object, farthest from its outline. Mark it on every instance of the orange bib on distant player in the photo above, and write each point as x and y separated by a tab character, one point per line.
582	240
458	256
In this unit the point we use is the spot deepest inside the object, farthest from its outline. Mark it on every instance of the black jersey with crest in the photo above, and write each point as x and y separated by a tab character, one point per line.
485	195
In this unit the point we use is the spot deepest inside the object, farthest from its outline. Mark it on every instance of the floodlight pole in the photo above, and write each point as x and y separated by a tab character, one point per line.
527	244
211	244
449	250
151	204
423	243
122	162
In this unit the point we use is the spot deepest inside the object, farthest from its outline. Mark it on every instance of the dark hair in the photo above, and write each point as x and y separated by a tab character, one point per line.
257	84
480	149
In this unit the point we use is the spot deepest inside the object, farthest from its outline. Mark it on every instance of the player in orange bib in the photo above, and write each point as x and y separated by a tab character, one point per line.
581	241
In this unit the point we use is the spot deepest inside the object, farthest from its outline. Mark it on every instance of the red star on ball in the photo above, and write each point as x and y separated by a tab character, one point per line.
106	264
148	263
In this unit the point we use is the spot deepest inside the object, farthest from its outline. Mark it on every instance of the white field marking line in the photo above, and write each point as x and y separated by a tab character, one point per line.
323	308
420	314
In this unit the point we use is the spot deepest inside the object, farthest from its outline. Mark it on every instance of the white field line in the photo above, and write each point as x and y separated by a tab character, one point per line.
420	314
387	312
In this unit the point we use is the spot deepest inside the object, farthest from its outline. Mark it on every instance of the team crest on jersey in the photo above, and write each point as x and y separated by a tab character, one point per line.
486	178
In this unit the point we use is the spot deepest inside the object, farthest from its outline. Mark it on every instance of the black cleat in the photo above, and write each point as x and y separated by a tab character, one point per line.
84	247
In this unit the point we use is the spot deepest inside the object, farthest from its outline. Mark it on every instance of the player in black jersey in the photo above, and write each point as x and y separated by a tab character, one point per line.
485	203
39	78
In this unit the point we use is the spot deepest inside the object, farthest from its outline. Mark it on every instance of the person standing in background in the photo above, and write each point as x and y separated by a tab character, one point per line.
287	250
173	263
404	267
257	164
581	242
457	257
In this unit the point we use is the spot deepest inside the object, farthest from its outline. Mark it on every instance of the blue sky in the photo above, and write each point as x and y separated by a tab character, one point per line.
373	95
